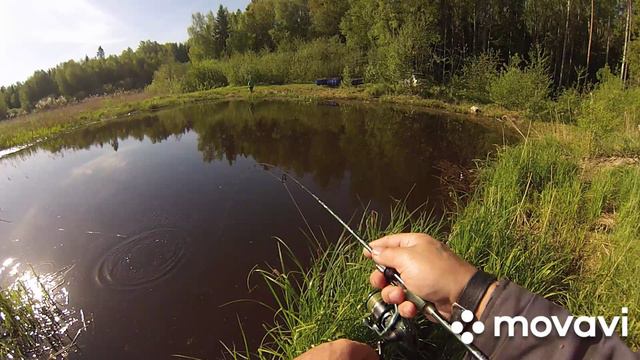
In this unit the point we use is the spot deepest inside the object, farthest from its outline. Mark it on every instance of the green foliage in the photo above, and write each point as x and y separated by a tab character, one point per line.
326	16
169	79
263	68
3	106
377	90
318	59
609	107
202	42
399	41
476	77
259	21
567	106
524	88
204	75
305	62
40	85
611	112
291	21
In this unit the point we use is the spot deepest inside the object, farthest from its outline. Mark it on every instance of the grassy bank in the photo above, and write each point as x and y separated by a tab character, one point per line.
540	215
38	126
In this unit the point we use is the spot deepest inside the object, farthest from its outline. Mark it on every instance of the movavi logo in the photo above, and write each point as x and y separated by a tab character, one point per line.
543	326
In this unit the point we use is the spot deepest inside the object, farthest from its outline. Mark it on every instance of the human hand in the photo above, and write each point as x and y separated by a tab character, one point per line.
340	350
428	267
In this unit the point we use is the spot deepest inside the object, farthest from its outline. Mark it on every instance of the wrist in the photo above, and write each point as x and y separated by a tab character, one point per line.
485	299
460	284
474	296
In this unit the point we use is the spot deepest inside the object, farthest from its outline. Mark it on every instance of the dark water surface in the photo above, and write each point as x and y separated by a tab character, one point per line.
163	217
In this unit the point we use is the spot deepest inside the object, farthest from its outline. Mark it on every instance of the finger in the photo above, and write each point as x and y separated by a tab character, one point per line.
366	253
390	257
359	351
397	240
393	295
377	280
408	310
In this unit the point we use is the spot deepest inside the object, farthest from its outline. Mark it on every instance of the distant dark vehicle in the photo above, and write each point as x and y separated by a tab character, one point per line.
336	81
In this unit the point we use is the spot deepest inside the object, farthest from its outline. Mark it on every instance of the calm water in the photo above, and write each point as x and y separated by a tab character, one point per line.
162	217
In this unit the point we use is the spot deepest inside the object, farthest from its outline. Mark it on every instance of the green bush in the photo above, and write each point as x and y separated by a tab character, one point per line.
377	90
523	88
302	62
609	107
262	68
168	79
476	77
319	59
203	76
3	107
567	106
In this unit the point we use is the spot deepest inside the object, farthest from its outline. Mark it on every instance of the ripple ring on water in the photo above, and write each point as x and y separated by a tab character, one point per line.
142	260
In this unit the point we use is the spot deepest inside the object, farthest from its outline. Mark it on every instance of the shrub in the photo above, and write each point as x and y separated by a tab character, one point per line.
525	89
476	77
610	111
3	107
168	79
319	59
203	76
262	68
567	106
377	90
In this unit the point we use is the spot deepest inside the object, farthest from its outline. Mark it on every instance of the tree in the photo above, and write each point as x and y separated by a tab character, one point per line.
201	41
627	39
291	21
590	33
221	31
3	105
260	19
325	16
239	40
100	54
178	52
40	85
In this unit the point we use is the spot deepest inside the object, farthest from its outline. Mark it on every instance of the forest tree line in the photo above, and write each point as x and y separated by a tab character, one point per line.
384	41
92	76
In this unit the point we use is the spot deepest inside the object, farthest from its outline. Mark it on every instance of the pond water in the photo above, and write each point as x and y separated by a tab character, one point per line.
162	217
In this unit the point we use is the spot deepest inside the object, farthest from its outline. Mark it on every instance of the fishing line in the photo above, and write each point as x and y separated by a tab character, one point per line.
391	275
283	179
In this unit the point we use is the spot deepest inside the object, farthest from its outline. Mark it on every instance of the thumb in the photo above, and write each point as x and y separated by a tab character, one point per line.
389	256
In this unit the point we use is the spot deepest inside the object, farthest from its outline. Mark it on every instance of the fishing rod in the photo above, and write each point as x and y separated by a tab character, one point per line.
391	275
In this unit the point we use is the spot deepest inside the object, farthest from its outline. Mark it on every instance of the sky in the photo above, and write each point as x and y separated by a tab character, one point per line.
39	34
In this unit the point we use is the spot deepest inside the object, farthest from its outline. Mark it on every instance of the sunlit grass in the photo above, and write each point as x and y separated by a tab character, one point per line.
35	320
535	217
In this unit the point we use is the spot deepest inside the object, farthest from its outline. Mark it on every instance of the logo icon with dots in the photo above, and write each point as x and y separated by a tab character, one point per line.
458	327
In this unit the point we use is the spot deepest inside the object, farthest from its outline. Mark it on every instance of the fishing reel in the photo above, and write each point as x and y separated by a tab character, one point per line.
385	320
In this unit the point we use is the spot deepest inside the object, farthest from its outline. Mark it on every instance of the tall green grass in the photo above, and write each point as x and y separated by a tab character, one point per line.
535	217
325	301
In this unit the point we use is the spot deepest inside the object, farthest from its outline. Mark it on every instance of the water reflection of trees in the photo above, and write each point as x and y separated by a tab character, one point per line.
383	150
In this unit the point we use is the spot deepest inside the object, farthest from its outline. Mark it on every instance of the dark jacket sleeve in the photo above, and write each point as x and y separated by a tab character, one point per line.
512	300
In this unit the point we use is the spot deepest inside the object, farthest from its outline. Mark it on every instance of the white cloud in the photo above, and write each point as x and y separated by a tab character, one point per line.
38	34
63	21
